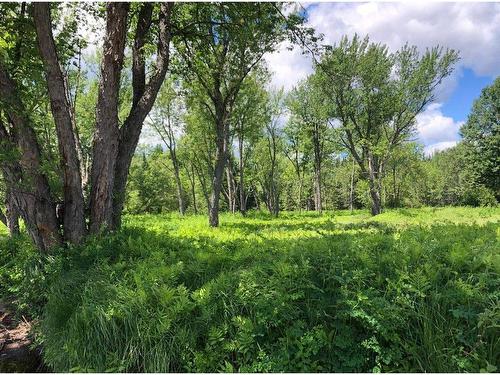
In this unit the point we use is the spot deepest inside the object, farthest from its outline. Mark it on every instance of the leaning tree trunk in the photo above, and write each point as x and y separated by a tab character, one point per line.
25	179
144	98
74	227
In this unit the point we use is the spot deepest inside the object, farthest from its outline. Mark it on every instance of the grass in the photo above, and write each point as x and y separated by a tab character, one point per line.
408	290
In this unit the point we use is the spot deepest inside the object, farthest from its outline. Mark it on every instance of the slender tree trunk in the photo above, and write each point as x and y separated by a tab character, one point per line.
351	193
243	202
180	192
374	184
192	183
317	190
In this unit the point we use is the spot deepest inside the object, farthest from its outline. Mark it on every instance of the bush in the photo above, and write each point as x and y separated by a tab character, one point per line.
300	293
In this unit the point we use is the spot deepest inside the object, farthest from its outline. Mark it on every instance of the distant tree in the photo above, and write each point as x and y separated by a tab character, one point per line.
376	96
481	136
248	119
230	39
167	122
310	112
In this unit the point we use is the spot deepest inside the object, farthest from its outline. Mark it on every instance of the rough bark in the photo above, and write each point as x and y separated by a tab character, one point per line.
222	140
11	214
74	228
106	136
144	98
30	187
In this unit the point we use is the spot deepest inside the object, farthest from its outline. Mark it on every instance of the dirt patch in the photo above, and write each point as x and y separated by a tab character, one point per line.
16	354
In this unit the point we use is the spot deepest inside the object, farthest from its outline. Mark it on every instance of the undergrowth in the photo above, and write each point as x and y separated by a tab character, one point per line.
406	291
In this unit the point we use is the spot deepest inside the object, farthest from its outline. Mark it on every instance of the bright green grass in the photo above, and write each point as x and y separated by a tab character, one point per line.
408	290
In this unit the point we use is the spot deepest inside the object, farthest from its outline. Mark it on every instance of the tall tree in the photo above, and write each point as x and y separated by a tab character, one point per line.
310	109
377	96
248	119
481	135
166	120
113	145
229	41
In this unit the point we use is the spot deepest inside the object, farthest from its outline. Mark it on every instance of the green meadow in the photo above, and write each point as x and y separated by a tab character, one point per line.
408	290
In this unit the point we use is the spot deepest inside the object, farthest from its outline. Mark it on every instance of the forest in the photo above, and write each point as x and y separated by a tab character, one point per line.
165	208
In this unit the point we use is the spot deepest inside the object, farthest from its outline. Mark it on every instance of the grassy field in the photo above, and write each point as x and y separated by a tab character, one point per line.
408	290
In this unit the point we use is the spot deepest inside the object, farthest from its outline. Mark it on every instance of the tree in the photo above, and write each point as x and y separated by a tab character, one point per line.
248	119
229	42
309	108
166	120
113	145
481	136
377	96
272	145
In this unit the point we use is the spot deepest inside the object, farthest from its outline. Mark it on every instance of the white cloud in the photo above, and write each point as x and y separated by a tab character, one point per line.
288	66
436	130
471	28
432	149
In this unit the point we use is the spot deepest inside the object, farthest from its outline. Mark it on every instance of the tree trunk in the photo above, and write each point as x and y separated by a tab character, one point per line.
192	183
177	177
74	227
11	214
220	163
30	187
243	202
351	193
106	136
375	186
317	190
144	98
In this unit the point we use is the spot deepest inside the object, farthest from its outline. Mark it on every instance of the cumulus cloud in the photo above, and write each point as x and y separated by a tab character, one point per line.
471	28
436	130
432	149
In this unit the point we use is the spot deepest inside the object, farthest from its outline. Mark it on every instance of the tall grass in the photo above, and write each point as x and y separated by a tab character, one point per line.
409	290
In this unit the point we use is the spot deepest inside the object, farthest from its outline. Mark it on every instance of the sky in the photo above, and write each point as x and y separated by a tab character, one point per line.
473	29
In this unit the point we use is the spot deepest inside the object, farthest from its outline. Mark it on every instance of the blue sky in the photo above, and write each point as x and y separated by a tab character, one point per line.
459	103
471	28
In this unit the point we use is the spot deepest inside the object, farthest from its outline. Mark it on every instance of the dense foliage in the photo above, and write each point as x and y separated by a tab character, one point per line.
408	290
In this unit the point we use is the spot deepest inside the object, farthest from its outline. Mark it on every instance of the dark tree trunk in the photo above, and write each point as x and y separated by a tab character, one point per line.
144	98
74	228
243	202
24	177
11	214
220	163
106	136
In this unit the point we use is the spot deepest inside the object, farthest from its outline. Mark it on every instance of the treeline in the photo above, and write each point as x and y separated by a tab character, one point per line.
286	154
70	122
